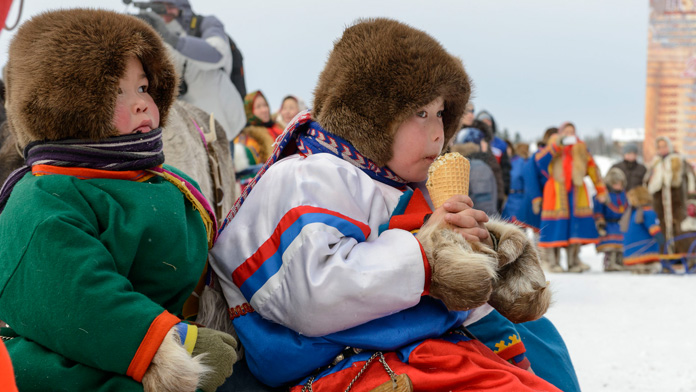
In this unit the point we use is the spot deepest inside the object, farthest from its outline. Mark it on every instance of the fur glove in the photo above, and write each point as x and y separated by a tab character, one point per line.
172	368
521	291
463	273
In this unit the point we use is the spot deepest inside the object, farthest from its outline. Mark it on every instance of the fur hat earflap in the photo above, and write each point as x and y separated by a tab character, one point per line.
615	176
639	196
378	74
63	73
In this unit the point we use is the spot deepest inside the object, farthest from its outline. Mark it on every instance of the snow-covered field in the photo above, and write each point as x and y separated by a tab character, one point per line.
627	332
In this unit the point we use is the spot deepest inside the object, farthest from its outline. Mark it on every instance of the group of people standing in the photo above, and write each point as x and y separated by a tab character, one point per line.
637	214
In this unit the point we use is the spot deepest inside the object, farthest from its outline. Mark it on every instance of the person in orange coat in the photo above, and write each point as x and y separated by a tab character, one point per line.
566	211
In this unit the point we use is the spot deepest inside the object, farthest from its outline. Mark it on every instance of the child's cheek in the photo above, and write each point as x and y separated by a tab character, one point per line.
121	120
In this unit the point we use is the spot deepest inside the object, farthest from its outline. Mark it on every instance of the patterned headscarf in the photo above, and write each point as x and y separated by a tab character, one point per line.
249	109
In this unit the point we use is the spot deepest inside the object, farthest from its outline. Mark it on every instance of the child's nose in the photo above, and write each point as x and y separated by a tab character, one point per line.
140	105
438	132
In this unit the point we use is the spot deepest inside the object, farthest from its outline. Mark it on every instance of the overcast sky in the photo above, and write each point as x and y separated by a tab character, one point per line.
534	63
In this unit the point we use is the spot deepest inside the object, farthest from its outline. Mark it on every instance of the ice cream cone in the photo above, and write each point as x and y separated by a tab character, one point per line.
448	176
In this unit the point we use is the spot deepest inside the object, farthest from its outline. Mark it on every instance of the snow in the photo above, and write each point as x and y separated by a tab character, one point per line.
626	332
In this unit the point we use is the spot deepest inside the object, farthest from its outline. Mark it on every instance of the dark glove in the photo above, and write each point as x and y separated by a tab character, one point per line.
220	356
160	26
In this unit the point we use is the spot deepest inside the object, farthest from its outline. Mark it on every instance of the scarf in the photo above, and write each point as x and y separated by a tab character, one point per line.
625	220
252	119
307	137
136	157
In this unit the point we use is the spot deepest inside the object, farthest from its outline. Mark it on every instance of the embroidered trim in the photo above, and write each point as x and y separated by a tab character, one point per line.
240	310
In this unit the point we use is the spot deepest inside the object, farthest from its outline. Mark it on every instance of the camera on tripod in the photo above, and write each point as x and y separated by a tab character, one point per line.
156	7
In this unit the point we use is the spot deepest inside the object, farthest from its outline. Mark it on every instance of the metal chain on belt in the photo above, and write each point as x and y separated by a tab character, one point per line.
308	387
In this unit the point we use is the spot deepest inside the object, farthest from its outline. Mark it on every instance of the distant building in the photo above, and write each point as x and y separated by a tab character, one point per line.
670	95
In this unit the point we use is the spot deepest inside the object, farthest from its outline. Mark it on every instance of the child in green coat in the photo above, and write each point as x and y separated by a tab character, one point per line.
101	245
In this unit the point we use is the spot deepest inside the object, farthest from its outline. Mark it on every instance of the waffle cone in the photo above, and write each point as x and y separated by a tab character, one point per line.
448	176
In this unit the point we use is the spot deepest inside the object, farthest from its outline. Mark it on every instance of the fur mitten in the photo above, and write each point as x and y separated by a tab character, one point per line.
521	291
172	369
463	273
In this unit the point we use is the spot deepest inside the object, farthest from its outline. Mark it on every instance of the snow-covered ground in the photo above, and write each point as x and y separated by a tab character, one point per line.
627	332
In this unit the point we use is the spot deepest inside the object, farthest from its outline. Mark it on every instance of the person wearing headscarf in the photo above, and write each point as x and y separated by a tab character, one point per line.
258	113
254	144
289	107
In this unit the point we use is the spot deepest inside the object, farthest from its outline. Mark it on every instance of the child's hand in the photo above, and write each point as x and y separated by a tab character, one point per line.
458	212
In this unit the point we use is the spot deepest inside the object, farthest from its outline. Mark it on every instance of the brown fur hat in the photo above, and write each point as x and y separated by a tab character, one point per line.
639	196
378	74
522	149
63	73
615	176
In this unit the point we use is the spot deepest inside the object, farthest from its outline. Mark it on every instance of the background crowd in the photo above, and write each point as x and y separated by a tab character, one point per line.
638	216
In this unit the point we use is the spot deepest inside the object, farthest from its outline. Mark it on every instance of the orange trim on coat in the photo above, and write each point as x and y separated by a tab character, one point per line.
643	259
84	173
150	344
555	244
583	241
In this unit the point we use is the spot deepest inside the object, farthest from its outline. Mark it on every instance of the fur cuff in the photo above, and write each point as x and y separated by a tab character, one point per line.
463	273
172	368
521	292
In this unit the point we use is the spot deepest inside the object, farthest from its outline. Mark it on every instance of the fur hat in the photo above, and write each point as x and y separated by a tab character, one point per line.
63	73
378	74
639	196
614	176
522	149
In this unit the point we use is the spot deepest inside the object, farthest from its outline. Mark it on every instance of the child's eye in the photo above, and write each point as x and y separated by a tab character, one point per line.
439	113
422	114
142	89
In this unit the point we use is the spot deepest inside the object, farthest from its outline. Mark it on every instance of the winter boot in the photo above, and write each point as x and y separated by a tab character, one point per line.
611	262
551	259
574	262
616	261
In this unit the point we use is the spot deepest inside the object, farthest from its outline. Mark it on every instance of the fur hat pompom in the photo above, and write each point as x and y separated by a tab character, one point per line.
63	73
378	74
